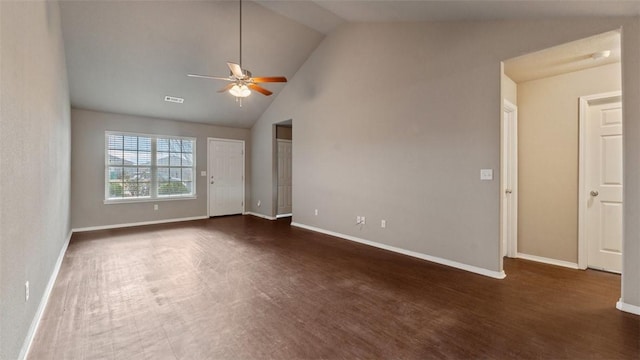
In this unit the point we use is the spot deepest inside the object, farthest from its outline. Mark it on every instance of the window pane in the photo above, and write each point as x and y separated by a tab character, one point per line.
175	174
115	157
175	160
187	174
176	145
187	159
130	173
115	190
144	175
163	175
144	143
162	158
163	144
131	143
130	189
130	157
172	188
115	173
144	158
187	146
189	186
114	141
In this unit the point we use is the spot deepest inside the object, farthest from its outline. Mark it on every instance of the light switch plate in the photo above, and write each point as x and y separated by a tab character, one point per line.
486	174
203	173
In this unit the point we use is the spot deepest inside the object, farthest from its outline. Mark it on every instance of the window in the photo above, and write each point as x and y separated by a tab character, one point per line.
141	167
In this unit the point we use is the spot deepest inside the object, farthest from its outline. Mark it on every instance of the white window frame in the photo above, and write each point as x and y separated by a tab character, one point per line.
153	192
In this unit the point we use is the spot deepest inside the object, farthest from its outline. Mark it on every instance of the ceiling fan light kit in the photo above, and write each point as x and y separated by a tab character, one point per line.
240	91
241	80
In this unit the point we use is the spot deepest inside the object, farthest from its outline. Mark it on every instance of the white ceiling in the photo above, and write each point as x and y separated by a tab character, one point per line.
125	56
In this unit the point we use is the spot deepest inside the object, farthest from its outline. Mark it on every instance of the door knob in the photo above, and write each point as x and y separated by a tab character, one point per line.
508	191
594	193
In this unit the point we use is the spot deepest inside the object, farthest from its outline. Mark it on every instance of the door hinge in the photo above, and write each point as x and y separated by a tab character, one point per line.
241	203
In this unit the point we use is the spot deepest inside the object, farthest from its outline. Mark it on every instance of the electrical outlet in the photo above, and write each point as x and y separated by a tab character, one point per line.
259	203
316	212
363	220
383	224
26	291
358	220
155	207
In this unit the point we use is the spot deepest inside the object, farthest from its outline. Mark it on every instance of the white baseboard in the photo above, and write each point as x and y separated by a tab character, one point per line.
259	215
284	215
622	306
31	334
455	264
549	261
116	226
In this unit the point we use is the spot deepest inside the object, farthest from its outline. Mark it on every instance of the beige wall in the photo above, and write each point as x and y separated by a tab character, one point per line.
410	150
548	159
284	132
34	162
87	164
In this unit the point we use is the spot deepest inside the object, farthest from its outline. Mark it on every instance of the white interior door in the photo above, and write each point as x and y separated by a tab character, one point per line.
510	180
226	177
284	177
603	184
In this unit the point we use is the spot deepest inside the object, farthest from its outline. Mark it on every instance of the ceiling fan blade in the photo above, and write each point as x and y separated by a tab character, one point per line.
236	70
269	79
259	89
209	77
226	88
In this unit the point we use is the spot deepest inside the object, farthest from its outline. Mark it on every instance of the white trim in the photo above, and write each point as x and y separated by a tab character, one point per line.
512	241
31	334
284	215
148	200
259	215
584	102
244	178
116	226
455	264
622	306
549	261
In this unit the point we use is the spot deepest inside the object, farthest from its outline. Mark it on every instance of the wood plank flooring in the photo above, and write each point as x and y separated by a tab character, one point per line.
247	288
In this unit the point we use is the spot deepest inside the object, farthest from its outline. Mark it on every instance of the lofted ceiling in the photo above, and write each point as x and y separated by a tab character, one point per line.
126	56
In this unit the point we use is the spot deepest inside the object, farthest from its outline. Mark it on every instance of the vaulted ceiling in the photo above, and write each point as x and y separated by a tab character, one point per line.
126	56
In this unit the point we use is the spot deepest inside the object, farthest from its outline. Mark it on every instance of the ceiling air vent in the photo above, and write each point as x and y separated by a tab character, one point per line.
173	99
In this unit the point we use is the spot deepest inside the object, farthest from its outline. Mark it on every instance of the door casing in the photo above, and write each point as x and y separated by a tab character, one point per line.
509	181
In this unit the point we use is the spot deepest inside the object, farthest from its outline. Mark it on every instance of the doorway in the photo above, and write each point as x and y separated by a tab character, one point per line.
600	200
284	169
225	169
547	87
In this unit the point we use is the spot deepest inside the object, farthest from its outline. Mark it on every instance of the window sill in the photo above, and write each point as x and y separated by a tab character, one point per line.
148	200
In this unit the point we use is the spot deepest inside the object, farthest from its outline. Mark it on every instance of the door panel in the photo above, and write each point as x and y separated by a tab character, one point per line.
603	169
284	177
226	177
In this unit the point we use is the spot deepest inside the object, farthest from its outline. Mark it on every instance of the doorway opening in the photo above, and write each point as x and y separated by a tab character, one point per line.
283	172
548	212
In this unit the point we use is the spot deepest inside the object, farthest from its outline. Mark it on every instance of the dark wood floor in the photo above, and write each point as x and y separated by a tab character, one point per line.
246	288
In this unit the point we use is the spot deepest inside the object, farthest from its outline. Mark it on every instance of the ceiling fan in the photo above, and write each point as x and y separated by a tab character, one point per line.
241	81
